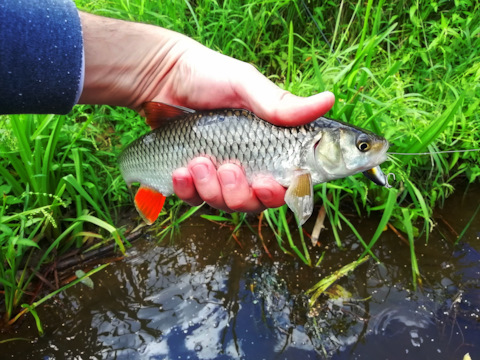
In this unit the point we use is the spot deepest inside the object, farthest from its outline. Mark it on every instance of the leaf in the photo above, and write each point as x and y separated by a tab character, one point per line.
84	279
32	310
14	339
103	224
5	230
70	179
409	230
338	292
322	286
27	242
5	189
215	218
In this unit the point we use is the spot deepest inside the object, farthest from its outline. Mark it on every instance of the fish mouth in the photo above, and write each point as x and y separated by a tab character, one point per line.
375	174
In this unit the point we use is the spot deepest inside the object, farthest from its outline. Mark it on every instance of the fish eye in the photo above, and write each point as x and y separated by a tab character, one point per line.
363	146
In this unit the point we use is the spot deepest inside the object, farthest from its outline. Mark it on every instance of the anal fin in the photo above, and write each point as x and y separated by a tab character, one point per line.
149	203
299	195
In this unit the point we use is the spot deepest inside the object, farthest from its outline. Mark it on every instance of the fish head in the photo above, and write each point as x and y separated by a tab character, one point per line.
342	150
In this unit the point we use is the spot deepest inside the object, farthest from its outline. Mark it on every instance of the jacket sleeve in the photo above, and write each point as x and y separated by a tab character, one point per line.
41	56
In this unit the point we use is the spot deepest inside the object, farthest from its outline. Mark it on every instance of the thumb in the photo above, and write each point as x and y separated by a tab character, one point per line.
281	107
292	110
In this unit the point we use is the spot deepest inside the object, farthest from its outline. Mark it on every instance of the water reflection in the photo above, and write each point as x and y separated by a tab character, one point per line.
206	299
178	308
230	309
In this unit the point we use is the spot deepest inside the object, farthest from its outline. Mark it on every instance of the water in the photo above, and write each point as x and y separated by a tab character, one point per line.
205	297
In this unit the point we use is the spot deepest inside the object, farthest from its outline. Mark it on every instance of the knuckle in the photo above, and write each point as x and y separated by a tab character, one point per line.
213	199
194	202
237	205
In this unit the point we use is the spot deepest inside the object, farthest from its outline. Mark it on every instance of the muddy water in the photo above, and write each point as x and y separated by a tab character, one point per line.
207	297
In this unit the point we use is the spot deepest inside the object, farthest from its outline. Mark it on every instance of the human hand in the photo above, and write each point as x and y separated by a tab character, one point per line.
217	81
226	188
128	64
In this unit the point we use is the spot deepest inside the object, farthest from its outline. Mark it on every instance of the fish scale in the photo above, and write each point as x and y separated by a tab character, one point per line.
296	157
256	144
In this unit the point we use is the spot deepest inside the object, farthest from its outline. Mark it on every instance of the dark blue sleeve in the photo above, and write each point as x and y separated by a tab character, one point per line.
41	56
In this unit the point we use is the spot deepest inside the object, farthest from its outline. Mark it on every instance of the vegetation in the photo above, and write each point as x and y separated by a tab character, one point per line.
407	70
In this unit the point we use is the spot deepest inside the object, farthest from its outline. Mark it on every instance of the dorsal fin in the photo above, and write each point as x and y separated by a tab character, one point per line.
158	113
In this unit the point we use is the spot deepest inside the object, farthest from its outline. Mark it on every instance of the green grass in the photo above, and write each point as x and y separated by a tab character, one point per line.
409	70
51	187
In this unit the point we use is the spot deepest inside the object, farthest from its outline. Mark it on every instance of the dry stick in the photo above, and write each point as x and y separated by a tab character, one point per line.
260	219
89	266
400	236
43	279
55	274
306	233
319	223
235	237
73	260
450	227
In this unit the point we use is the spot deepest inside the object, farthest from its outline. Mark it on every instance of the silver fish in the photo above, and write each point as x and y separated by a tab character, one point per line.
296	157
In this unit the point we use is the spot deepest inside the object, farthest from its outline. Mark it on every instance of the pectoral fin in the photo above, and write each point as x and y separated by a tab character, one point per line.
299	195
149	203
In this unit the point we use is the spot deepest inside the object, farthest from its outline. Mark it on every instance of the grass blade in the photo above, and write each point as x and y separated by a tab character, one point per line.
436	127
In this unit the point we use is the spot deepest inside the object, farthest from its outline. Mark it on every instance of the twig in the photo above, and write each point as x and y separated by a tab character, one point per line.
400	236
260	219
87	266
55	274
319	224
73	260
237	240
450	227
43	279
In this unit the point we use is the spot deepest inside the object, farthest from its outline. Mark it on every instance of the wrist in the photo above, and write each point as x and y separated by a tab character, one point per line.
125	62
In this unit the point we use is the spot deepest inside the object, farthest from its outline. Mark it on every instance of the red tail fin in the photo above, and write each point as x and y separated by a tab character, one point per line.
149	203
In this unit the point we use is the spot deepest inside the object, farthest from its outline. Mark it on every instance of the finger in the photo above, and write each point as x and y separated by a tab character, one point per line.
237	193
279	106
206	182
184	187
292	110
269	192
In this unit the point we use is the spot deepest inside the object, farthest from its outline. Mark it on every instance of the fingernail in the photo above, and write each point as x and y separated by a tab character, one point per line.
180	181
264	194
200	171
227	177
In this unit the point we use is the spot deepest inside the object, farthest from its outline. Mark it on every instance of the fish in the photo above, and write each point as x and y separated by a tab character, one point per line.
296	157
